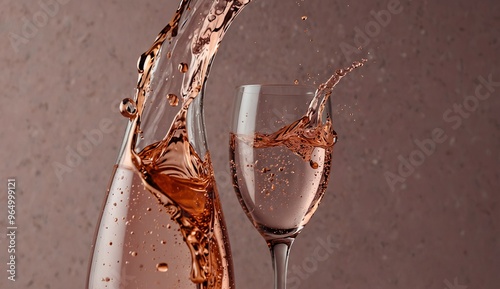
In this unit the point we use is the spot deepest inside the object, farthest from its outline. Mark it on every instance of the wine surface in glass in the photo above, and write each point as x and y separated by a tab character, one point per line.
278	188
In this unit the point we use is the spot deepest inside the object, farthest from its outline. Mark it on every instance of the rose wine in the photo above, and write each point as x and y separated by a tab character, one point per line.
171	169
184	185
162	225
277	187
138	246
281	177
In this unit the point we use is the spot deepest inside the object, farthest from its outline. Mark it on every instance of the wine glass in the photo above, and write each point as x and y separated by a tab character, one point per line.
279	163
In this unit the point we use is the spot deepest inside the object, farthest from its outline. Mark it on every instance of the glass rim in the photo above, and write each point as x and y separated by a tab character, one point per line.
275	85
273	88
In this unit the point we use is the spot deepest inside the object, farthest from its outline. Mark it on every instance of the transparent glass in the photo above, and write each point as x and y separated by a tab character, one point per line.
138	243
277	188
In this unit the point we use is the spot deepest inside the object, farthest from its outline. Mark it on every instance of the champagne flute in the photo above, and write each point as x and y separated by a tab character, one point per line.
280	163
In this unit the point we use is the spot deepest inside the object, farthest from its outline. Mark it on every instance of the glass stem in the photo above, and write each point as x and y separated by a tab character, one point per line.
280	249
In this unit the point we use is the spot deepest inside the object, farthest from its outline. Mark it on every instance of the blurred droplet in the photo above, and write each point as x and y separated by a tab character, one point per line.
162	267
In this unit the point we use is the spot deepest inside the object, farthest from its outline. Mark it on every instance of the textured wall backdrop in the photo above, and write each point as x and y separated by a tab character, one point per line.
413	200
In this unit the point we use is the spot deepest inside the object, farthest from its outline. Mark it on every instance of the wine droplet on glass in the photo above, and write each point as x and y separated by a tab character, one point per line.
173	99
128	108
183	67
162	267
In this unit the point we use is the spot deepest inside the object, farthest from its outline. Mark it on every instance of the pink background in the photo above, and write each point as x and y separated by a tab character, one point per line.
439	228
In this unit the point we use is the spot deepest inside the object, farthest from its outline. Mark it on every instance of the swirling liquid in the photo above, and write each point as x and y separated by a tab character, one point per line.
171	169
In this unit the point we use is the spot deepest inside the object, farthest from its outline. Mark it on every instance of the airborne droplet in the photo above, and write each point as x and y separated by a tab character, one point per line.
335	137
183	67
128	108
173	100
162	267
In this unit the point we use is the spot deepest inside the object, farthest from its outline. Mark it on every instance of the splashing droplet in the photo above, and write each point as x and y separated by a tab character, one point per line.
183	67
133	253
296	81
304	17
128	108
162	267
173	100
